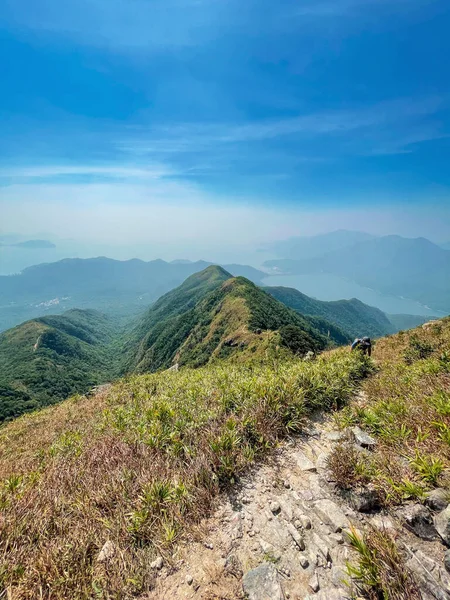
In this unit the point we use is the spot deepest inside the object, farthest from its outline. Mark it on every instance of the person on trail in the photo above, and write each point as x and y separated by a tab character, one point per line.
363	344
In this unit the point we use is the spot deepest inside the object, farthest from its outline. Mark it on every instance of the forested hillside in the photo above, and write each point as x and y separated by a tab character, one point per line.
213	315
353	316
46	360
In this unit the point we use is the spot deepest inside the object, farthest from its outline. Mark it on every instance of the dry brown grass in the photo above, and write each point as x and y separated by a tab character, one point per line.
23	441
139	464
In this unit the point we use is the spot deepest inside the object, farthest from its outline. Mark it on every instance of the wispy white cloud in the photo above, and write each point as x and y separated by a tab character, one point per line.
109	171
390	118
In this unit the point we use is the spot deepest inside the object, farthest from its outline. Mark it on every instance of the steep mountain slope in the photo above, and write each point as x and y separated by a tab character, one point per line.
45	360
112	286
306	247
132	469
213	315
353	316
95	489
412	268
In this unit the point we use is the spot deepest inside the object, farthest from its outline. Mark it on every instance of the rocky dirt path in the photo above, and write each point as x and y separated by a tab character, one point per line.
283	535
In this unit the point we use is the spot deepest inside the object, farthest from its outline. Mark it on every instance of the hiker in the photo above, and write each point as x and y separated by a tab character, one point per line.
364	344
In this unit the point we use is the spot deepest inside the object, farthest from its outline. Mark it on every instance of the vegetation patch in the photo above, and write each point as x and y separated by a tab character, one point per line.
380	572
143	466
407	408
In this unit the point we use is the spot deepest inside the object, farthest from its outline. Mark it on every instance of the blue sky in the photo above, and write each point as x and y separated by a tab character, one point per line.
269	118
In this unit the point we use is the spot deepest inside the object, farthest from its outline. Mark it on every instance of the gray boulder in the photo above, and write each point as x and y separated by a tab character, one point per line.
363	439
442	523
417	518
262	583
364	499
447	561
330	513
438	499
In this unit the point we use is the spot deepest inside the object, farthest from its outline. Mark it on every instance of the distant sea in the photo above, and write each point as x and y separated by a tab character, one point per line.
331	287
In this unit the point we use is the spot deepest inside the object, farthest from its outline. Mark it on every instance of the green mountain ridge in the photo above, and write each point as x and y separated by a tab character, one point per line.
214	315
353	316
48	359
211	316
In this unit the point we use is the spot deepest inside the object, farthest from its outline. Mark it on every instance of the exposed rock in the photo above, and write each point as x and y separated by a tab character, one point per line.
296	536
364	499
322	460
362	438
417	518
189	579
382	523
314	583
442	523
330	513
275	507
339	577
304	562
236	526
233	565
447	561
107	552
286	509
305	521
157	564
428	583
262	583
320	547
329	594
304	463
437	499
337	537
334	436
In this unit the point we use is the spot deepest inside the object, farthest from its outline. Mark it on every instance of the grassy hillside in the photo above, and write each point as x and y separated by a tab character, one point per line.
213	315
407	408
353	316
139	463
46	360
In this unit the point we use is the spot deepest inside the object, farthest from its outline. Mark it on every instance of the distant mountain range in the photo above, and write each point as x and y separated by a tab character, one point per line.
312	246
121	288
411	268
31	244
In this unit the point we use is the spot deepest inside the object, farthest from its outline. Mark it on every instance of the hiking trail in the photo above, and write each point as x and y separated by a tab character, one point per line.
281	534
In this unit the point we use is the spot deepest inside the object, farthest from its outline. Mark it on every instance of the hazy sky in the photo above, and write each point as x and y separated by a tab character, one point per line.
200	124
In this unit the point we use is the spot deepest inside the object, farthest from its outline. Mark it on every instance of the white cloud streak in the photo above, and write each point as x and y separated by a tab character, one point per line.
381	124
